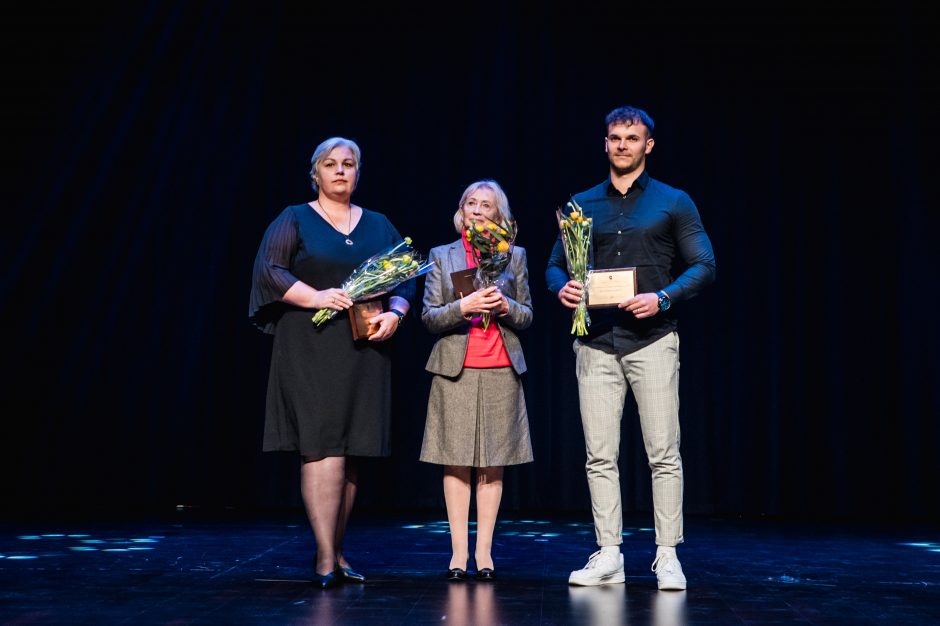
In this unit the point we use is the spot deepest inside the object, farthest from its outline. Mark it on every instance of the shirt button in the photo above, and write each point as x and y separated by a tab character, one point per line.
619	231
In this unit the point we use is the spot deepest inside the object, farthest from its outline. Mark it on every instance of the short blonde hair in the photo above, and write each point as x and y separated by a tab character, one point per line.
502	201
324	149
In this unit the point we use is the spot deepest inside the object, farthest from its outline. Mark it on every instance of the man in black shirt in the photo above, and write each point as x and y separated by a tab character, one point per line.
643	223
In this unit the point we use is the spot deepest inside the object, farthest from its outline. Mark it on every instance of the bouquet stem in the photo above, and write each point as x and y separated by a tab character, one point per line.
379	274
580	319
486	321
323	315
576	239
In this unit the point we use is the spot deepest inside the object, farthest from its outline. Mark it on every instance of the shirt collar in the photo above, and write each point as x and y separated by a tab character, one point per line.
642	182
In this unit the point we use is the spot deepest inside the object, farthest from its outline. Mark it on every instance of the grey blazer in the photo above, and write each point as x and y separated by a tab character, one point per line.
441	311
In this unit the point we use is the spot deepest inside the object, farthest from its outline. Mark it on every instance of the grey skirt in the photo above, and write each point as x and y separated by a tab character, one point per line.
477	419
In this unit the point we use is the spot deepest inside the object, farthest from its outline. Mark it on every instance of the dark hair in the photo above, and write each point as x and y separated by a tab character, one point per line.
630	115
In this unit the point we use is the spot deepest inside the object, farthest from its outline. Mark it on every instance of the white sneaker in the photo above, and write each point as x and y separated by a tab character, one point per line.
601	569
669	574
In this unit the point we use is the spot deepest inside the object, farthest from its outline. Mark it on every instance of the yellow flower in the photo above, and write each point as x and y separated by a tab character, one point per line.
491	244
379	274
576	238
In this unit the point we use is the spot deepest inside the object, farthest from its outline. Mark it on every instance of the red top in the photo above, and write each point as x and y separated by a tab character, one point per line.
484	348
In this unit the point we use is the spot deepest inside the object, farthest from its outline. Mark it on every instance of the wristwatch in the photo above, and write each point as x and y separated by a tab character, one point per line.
401	316
664	302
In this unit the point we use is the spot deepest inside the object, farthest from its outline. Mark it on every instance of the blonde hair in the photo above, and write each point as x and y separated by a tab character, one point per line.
324	149
502	201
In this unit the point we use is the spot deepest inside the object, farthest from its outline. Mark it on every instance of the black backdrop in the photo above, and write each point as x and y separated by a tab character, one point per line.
146	149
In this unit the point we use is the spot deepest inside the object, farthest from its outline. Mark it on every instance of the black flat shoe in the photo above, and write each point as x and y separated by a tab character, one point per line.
350	575
486	573
457	574
326	581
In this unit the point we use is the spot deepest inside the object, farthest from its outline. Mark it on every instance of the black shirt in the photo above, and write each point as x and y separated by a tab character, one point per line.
655	228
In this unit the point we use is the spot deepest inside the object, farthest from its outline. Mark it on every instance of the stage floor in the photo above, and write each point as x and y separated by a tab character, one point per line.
228	568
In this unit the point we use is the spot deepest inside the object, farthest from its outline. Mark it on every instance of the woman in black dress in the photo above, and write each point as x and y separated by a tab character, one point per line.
329	397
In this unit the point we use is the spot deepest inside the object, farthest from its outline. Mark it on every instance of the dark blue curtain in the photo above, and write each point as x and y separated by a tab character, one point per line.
147	148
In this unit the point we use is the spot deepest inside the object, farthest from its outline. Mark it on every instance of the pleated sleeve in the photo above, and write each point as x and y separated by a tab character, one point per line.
271	275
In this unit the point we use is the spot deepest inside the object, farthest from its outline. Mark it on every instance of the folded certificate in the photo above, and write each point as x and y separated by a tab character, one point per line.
607	288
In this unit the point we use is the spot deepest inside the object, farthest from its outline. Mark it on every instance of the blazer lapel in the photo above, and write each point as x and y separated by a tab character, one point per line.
457	256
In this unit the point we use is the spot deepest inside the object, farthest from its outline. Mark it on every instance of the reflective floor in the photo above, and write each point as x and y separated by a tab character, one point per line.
239	569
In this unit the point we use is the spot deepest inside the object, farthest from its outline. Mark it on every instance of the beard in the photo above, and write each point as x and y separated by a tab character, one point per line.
623	171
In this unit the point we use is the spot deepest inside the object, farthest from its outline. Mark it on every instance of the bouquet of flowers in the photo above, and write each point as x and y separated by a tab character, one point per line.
379	274
576	238
491	245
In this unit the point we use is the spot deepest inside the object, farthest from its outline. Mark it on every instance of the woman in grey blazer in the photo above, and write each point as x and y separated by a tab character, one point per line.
476	410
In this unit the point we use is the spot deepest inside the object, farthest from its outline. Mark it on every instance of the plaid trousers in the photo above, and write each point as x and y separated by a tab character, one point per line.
652	373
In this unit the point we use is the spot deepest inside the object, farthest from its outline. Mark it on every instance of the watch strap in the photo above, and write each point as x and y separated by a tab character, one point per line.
664	301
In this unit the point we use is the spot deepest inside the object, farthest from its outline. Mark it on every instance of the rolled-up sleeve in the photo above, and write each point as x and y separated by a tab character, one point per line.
271	275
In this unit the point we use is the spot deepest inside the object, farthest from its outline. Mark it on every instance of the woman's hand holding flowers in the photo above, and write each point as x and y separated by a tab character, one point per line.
503	308
485	300
491	245
332	298
375	276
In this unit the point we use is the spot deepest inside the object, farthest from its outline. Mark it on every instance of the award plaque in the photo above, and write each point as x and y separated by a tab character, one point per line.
463	282
607	288
360	316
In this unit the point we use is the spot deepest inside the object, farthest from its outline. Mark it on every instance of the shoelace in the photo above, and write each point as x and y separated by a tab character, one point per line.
592	561
664	564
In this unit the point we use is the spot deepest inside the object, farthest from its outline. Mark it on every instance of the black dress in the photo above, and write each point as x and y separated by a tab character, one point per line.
327	395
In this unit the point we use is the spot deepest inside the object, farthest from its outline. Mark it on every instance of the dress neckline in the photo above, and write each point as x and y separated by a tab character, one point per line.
323	215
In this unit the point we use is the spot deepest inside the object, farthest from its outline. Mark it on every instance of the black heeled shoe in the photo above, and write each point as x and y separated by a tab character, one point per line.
456	574
326	581
348	574
486	574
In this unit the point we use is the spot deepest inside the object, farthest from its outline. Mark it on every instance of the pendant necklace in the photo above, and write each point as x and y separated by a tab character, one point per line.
349	241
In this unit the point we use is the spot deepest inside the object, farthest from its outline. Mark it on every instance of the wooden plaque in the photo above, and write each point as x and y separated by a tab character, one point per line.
360	314
607	288
463	282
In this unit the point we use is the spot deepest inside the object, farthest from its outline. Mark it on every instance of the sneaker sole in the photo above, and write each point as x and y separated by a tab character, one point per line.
671	586
610	580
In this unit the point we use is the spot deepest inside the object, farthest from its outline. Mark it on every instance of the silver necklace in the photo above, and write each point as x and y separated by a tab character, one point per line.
349	241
